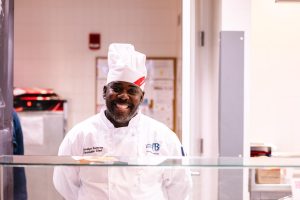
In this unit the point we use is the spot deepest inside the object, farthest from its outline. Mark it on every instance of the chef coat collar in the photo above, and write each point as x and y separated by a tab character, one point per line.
133	122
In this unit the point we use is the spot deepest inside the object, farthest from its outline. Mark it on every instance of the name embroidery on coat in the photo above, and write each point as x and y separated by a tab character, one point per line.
92	150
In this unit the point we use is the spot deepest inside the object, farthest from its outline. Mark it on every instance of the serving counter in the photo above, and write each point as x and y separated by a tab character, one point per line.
255	178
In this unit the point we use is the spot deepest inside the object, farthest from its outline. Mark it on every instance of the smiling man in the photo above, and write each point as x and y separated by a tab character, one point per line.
120	129
122	101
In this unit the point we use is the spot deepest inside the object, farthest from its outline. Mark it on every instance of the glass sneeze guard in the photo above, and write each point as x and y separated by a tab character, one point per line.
223	162
213	178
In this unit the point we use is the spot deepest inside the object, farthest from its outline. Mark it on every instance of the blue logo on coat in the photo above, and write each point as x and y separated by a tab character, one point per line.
153	148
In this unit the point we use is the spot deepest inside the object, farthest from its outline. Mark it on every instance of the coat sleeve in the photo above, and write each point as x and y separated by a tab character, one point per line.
177	181
65	178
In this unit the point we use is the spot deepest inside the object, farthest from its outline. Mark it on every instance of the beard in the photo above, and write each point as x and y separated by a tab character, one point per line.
120	112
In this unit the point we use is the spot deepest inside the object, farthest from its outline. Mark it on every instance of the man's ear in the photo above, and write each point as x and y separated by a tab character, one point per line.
104	91
142	97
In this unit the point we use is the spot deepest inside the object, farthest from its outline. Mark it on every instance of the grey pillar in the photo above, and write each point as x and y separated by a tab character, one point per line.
231	111
6	86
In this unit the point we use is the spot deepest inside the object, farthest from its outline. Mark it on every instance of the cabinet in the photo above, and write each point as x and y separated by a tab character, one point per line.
43	132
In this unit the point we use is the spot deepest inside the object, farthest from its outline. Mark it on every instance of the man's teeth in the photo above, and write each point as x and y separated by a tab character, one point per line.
122	106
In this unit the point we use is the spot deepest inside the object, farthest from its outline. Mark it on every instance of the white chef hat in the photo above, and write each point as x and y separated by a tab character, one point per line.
126	64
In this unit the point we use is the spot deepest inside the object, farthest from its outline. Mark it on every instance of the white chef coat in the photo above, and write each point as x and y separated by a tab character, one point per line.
144	136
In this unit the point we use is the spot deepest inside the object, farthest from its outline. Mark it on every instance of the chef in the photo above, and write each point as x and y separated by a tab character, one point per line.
120	129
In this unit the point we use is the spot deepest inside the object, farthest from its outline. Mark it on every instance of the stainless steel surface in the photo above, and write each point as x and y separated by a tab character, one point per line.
231	108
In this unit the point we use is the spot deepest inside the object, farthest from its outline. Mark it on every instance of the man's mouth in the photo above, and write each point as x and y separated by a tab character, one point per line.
122	107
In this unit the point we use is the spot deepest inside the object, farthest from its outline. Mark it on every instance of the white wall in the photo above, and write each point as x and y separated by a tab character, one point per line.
272	92
274	112
51	42
235	15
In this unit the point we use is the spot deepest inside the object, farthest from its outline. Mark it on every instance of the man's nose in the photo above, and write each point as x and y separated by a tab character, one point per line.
123	95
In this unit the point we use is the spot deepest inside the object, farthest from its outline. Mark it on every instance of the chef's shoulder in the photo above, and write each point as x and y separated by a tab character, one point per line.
158	127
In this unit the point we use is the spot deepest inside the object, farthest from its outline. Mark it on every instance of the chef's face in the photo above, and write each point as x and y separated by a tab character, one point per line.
122	101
